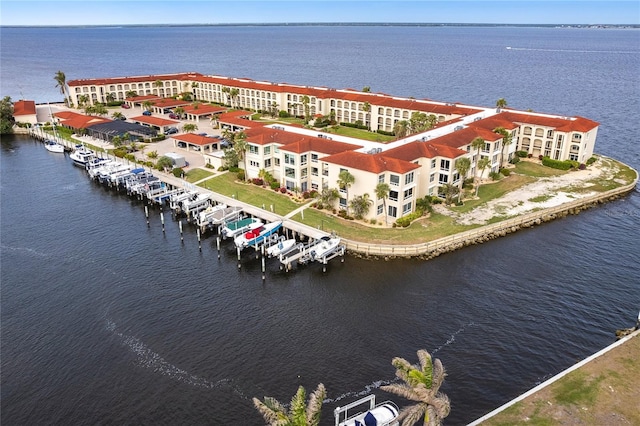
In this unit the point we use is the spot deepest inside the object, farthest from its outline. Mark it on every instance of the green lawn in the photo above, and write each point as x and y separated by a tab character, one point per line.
197	174
426	229
226	184
360	134
529	168
490	191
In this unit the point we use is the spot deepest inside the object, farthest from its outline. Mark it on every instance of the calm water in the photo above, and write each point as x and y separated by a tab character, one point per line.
108	321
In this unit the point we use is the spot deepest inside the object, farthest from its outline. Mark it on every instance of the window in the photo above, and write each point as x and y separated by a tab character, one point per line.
314	171
408	194
303	159
290	159
577	136
408	178
289	172
267	163
343	203
573	157
267	150
380	209
432	177
381	178
393	195
254	163
277	162
303	172
406	209
254	149
314	158
393	211
443	178
444	164
394	180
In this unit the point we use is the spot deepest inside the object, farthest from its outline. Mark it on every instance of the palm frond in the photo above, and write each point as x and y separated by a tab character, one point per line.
315	405
412	414
426	364
297	410
402	368
273	412
402	390
439	374
442	405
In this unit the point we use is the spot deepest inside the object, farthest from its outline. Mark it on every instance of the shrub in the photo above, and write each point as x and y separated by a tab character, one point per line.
540	157
354	125
313	193
556	164
306	195
283	190
240	174
234	169
515	160
177	172
373	222
382	132
494	175
468	183
405	221
529	155
275	186
505	172
222	168
120	152
257	181
284	114
591	160
582	166
209	166
131	158
522	154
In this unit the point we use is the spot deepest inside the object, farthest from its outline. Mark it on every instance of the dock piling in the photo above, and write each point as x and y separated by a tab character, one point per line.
199	243
180	226
146	213
162	220
218	245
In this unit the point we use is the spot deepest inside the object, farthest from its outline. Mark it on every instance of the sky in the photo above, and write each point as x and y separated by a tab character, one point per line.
126	12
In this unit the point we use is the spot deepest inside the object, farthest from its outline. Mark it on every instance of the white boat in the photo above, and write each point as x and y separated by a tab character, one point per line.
237	227
207	215
383	414
326	246
53	146
257	236
82	155
283	246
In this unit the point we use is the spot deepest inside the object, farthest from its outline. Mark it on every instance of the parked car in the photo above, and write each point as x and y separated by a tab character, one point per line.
174	116
146	113
182	145
171	131
125	106
202	134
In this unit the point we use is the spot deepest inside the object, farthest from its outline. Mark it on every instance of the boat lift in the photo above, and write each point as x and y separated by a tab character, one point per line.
302	255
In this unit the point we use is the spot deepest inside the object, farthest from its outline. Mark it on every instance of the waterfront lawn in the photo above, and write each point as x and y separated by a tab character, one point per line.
529	168
226	184
197	174
352	132
426	229
490	191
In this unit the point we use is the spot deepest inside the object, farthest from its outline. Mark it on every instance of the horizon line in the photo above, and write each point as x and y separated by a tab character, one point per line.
322	24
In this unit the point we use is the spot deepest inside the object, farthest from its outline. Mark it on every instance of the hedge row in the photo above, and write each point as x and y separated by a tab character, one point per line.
557	164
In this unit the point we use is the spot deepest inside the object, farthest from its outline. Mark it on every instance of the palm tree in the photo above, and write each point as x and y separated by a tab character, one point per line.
61	82
462	165
131	94
382	193
240	145
226	90
345	180
327	197
299	413
366	107
401	129
83	100
147	105
234	96
305	104
449	191
189	127
158	84
179	111
360	205
482	164
110	97
506	140
501	103
422	385
477	144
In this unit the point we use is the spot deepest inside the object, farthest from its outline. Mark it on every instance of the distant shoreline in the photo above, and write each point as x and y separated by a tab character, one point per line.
342	24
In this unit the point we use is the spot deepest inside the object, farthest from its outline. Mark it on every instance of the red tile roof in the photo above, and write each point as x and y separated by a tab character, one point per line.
24	108
157	121
297	143
203	109
75	120
416	150
143	98
134	79
168	103
373	163
577	124
192	138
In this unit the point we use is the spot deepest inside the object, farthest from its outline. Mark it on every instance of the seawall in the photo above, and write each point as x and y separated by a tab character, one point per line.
431	249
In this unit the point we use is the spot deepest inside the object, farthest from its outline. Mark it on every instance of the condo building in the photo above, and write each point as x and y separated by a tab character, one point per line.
307	159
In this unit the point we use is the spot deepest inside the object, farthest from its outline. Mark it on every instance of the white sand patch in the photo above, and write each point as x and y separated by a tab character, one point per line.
549	191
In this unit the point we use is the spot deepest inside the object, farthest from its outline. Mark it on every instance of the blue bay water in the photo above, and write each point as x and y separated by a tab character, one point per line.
108	321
